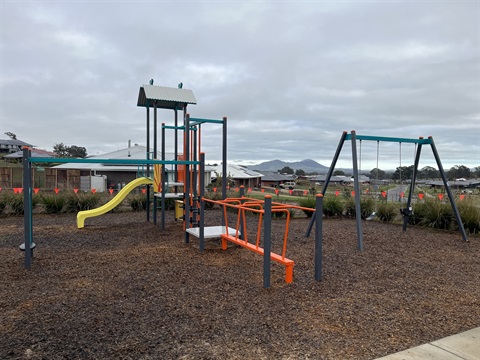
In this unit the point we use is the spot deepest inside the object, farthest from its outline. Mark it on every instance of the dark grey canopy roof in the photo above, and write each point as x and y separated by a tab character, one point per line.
165	97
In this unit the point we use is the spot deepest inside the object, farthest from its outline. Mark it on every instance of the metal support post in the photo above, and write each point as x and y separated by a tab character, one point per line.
187	178
318	236
447	188
356	187
267	240
407	212
28	246
148	165
202	203
329	176
163	174
224	163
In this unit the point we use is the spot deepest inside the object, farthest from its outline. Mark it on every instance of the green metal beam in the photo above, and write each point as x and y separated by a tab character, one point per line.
174	127
201	121
111	161
389	139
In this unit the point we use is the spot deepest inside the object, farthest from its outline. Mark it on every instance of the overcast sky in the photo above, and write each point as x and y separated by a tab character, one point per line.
290	76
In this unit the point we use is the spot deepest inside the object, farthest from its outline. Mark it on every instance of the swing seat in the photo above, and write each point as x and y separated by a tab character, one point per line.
372	216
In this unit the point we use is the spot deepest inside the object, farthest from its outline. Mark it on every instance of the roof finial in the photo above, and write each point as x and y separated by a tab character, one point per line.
180	85
151	81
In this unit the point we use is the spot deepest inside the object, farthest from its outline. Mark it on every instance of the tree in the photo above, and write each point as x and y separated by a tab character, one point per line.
11	135
428	172
403	172
300	172
476	171
73	151
286	170
459	171
377	174
339	173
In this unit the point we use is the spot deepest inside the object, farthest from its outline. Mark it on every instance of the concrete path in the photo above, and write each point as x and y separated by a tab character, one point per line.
463	346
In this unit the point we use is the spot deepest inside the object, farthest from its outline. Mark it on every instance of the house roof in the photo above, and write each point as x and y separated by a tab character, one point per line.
131	153
274	176
34	153
14	142
165	97
238	172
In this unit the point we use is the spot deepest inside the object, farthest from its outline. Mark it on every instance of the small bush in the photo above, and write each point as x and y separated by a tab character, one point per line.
470	215
308	202
432	213
387	211
82	201
138	202
332	206
3	203
53	204
217	195
16	204
367	205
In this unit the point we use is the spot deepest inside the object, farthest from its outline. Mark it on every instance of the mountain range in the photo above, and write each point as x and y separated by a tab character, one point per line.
307	165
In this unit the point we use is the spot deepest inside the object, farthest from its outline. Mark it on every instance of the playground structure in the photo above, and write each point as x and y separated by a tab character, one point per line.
188	186
407	211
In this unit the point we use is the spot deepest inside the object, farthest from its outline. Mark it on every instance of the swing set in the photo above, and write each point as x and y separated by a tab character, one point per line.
408	210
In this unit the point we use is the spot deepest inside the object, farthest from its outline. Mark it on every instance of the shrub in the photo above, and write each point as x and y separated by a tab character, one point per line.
82	201
3	203
138	202
53	203
16	204
332	206
217	195
367	205
470	215
308	202
432	213
387	211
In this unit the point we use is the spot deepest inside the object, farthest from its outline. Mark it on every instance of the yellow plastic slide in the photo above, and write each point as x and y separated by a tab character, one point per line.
82	215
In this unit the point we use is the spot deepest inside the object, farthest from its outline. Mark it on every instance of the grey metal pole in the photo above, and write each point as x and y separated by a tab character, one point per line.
329	176
242	194
155	154
202	203
163	174
407	212
194	185
318	236
356	187
148	165
187	177
27	206
224	162
447	188
267	240
176	146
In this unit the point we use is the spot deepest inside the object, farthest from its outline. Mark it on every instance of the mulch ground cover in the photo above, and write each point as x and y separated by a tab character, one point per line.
122	288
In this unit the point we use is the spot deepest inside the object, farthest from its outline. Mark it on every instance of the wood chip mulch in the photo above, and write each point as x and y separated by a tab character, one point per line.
122	288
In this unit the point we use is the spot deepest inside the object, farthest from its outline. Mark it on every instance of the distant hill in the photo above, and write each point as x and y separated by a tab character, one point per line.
307	165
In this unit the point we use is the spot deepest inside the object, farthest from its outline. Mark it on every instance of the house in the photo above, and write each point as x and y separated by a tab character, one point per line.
274	179
8	146
458	184
340	180
85	175
241	175
34	153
